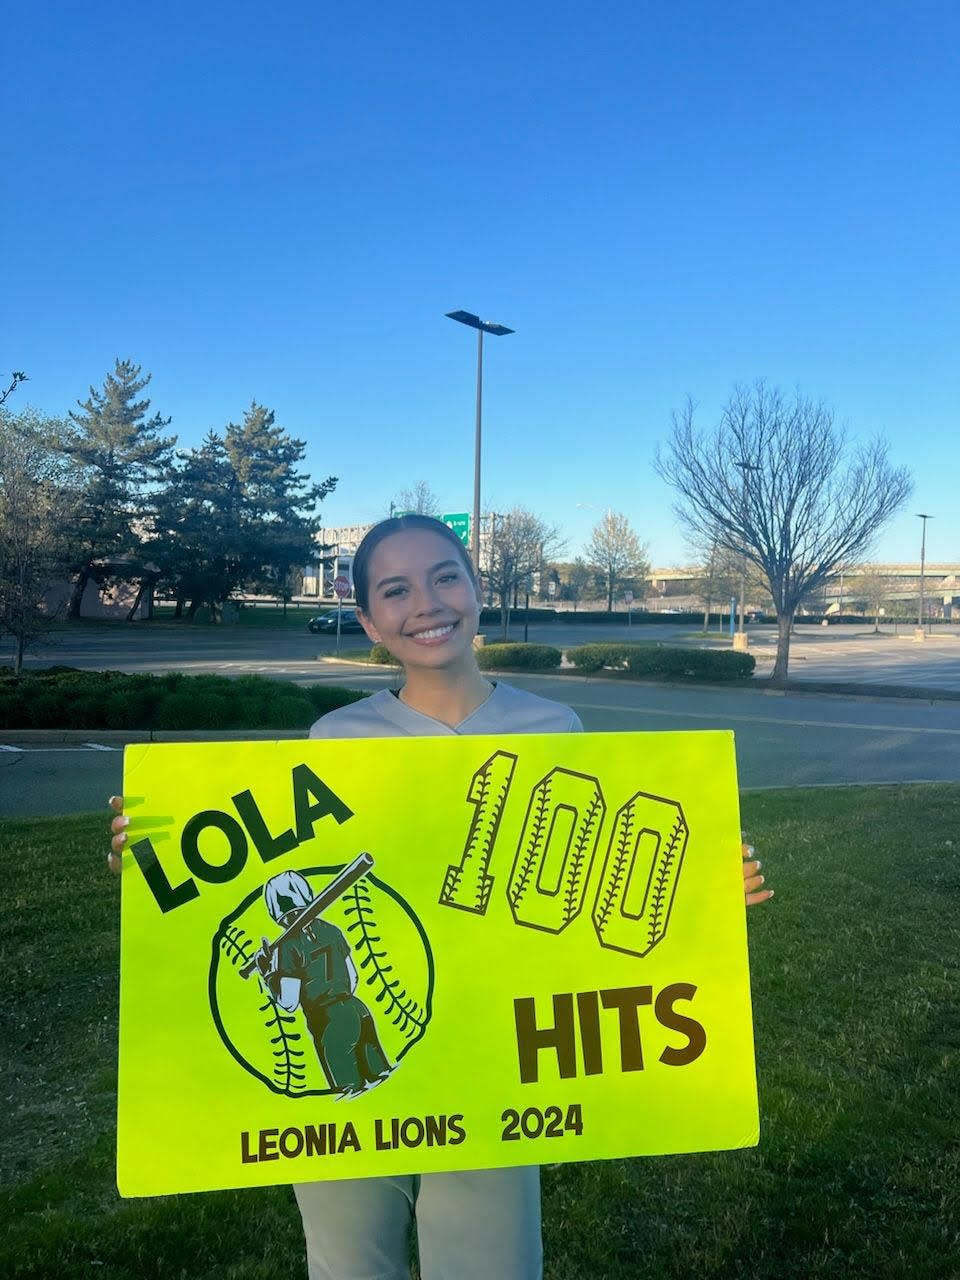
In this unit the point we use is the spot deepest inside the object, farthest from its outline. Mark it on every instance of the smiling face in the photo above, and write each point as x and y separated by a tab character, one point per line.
423	602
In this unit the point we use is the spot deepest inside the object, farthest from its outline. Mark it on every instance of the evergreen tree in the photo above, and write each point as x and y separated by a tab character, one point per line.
198	534
279	501
235	514
17	377
35	507
116	454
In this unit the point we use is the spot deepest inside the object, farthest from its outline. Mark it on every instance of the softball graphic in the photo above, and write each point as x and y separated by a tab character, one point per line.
333	1005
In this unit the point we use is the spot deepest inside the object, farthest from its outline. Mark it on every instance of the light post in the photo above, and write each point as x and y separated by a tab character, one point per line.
745	468
924	516
482	327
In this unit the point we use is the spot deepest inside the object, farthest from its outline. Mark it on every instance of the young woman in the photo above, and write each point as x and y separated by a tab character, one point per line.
417	594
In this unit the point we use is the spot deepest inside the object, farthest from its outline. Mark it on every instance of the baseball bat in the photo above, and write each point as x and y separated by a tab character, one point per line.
337	886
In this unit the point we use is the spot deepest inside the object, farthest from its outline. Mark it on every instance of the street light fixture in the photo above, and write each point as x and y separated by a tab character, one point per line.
745	469
924	516
482	327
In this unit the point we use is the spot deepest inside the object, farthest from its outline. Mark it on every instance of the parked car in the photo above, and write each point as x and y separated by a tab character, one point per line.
326	623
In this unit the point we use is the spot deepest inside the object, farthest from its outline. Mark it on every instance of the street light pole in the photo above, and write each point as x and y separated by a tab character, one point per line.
924	516
482	327
475	521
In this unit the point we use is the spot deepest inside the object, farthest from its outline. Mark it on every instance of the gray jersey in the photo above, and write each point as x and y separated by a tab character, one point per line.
506	710
472	1225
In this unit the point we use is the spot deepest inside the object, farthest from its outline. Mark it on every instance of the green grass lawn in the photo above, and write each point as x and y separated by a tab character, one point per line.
856	968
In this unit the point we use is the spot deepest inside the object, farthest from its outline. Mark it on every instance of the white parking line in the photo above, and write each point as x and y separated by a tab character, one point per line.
3	748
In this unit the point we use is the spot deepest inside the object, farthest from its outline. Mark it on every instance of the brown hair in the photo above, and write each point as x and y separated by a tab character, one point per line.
360	570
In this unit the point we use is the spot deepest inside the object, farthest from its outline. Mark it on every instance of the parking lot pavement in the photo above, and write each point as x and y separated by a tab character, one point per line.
797	739
784	741
838	653
849	659
865	658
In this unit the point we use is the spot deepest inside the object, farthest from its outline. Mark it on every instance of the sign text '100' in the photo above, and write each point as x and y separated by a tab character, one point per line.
555	855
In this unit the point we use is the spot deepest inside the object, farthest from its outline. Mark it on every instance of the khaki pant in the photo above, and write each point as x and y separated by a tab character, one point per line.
479	1225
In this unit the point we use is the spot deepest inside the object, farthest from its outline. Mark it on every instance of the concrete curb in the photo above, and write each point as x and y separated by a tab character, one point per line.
353	662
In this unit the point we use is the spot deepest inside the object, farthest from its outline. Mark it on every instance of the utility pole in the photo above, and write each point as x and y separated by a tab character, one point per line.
924	516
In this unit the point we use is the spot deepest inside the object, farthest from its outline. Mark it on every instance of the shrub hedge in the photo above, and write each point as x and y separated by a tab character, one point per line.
518	657
380	653
667	661
593	657
492	615
638	617
676	663
64	698
616	618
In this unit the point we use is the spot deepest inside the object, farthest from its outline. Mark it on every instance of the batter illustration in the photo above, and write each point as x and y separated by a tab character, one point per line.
310	966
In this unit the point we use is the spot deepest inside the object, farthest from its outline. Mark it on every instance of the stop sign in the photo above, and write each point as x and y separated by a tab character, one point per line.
341	586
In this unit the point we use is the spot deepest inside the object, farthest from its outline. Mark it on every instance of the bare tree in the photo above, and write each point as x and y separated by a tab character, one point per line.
572	577
35	509
777	481
871	589
578	580
719	579
420	499
617	552
520	544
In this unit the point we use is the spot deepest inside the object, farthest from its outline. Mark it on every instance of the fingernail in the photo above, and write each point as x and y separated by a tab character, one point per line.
121	839
759	863
751	850
124	821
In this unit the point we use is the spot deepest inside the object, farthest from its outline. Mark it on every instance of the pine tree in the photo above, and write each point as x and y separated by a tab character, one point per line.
279	500
198	541
116	454
35	507
236	514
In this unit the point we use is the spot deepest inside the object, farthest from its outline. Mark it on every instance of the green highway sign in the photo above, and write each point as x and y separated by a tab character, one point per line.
460	524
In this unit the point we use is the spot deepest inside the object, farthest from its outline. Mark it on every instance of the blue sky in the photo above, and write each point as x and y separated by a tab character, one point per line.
661	199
